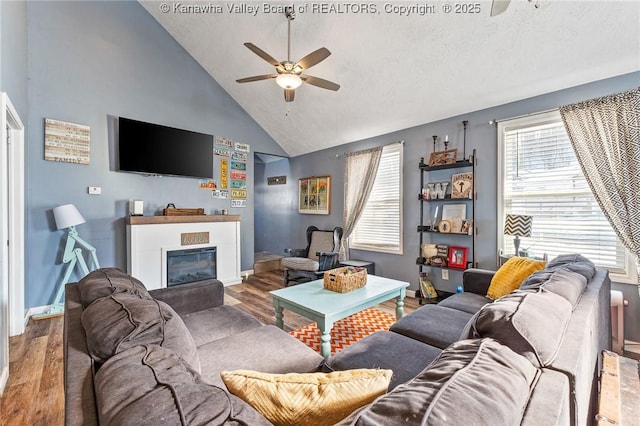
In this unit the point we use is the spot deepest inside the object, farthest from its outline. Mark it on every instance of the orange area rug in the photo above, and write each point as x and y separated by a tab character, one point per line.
346	331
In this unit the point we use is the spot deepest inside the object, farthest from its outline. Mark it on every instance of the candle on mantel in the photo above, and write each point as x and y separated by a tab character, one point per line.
446	138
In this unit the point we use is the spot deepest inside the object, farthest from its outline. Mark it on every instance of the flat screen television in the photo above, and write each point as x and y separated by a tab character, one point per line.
160	150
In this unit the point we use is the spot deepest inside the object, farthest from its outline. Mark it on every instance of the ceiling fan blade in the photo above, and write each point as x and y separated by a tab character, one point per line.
320	82
313	58
256	78
289	94
264	55
499	6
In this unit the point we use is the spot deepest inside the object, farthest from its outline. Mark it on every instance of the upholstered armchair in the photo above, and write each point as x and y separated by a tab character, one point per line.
310	263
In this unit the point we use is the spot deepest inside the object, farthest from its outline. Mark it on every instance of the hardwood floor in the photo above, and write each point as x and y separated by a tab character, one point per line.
34	394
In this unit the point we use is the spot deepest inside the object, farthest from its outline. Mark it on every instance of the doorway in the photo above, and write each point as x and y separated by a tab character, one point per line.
11	231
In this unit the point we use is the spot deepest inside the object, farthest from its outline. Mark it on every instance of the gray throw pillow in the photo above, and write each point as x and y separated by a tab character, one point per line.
150	385
472	382
532	323
107	281
121	321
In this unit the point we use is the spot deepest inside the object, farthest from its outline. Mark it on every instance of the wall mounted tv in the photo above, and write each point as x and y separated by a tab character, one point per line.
159	150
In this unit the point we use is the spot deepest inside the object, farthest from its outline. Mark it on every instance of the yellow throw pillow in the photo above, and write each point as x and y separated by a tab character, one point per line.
510	275
307	398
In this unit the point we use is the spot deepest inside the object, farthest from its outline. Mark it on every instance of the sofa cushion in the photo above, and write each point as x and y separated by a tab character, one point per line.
317	399
107	281
563	282
150	385
267	349
300	264
531	323
465	302
120	321
383	349
471	382
511	274
217	323
433	324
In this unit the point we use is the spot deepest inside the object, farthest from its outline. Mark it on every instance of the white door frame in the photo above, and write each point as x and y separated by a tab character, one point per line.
14	199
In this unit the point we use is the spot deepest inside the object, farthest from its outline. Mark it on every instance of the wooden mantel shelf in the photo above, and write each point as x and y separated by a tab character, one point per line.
154	220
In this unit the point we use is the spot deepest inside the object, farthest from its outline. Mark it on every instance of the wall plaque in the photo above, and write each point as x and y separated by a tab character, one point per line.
192	238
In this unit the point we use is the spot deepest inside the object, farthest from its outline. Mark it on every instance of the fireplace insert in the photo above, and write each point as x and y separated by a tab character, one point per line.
191	265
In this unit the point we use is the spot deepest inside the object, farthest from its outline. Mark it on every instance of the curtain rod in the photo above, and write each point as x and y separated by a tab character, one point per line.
345	153
496	121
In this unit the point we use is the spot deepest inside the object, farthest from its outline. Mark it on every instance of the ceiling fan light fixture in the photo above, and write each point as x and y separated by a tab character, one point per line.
288	81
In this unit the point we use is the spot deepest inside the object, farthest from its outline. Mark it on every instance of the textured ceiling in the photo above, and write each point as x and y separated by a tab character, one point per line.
401	70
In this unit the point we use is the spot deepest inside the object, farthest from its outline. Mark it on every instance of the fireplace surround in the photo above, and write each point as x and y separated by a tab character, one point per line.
151	238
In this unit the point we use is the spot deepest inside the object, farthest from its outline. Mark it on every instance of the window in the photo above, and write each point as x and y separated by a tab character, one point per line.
380	226
541	177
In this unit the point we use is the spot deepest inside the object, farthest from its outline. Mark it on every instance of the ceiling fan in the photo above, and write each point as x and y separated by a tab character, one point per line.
289	74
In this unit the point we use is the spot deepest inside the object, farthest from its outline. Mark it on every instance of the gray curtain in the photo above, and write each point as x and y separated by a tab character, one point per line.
360	172
605	134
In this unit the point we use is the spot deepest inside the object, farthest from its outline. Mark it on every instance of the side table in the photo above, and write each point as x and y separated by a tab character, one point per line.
371	266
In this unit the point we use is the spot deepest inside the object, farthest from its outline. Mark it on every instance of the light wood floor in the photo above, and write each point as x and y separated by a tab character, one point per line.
34	394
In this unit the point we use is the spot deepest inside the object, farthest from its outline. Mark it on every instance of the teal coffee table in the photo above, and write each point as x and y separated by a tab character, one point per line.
325	307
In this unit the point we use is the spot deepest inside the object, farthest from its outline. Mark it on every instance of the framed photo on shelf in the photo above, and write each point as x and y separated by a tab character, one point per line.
458	257
314	195
461	185
441	158
454	214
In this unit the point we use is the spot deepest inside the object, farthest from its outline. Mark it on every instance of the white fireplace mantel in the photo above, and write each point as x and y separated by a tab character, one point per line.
150	237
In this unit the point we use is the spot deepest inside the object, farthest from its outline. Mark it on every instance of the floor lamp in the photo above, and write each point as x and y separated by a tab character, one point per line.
68	217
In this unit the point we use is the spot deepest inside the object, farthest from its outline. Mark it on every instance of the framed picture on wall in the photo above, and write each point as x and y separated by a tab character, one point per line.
314	195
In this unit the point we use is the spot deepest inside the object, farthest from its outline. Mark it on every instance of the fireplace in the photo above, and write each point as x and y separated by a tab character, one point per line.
190	265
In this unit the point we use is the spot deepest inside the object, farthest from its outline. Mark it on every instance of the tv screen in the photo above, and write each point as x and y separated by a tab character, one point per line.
160	150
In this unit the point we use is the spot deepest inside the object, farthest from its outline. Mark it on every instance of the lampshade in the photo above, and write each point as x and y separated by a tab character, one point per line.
67	215
518	225
288	81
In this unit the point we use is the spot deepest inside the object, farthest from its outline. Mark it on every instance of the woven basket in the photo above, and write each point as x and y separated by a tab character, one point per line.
340	281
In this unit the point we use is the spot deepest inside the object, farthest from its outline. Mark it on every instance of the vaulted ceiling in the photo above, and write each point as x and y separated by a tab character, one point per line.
399	68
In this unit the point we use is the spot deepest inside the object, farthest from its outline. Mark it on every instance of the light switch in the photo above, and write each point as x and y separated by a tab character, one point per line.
95	190
445	274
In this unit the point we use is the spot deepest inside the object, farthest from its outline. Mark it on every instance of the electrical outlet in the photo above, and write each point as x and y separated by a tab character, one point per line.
95	190
445	274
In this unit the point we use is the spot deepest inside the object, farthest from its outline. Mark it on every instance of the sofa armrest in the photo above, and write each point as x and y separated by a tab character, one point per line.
192	297
296	252
476	280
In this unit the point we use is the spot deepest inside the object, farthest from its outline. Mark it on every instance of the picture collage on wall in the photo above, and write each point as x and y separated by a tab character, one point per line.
230	160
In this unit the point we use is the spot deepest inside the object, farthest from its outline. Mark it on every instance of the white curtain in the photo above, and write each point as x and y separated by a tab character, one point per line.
360	173
605	134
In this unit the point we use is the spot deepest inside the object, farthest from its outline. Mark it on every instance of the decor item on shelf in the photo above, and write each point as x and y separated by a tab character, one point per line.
434	220
171	210
68	217
427	290
518	225
441	158
454	214
457	257
467	227
440	190
289	74
464	140
441	259
462	185
444	226
429	251
314	195
435	137
431	187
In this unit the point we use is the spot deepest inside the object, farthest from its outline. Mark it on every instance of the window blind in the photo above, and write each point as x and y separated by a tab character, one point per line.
380	226
542	178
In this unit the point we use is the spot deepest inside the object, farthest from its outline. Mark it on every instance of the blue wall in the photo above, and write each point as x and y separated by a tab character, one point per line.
13	53
92	60
418	143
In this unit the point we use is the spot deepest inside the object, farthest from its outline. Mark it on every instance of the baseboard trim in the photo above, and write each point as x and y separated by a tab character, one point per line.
245	274
34	311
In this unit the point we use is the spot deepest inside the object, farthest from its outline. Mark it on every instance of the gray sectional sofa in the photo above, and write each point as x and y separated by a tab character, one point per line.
531	357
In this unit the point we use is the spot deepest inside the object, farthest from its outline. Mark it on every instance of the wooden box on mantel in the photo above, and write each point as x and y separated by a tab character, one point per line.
172	211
